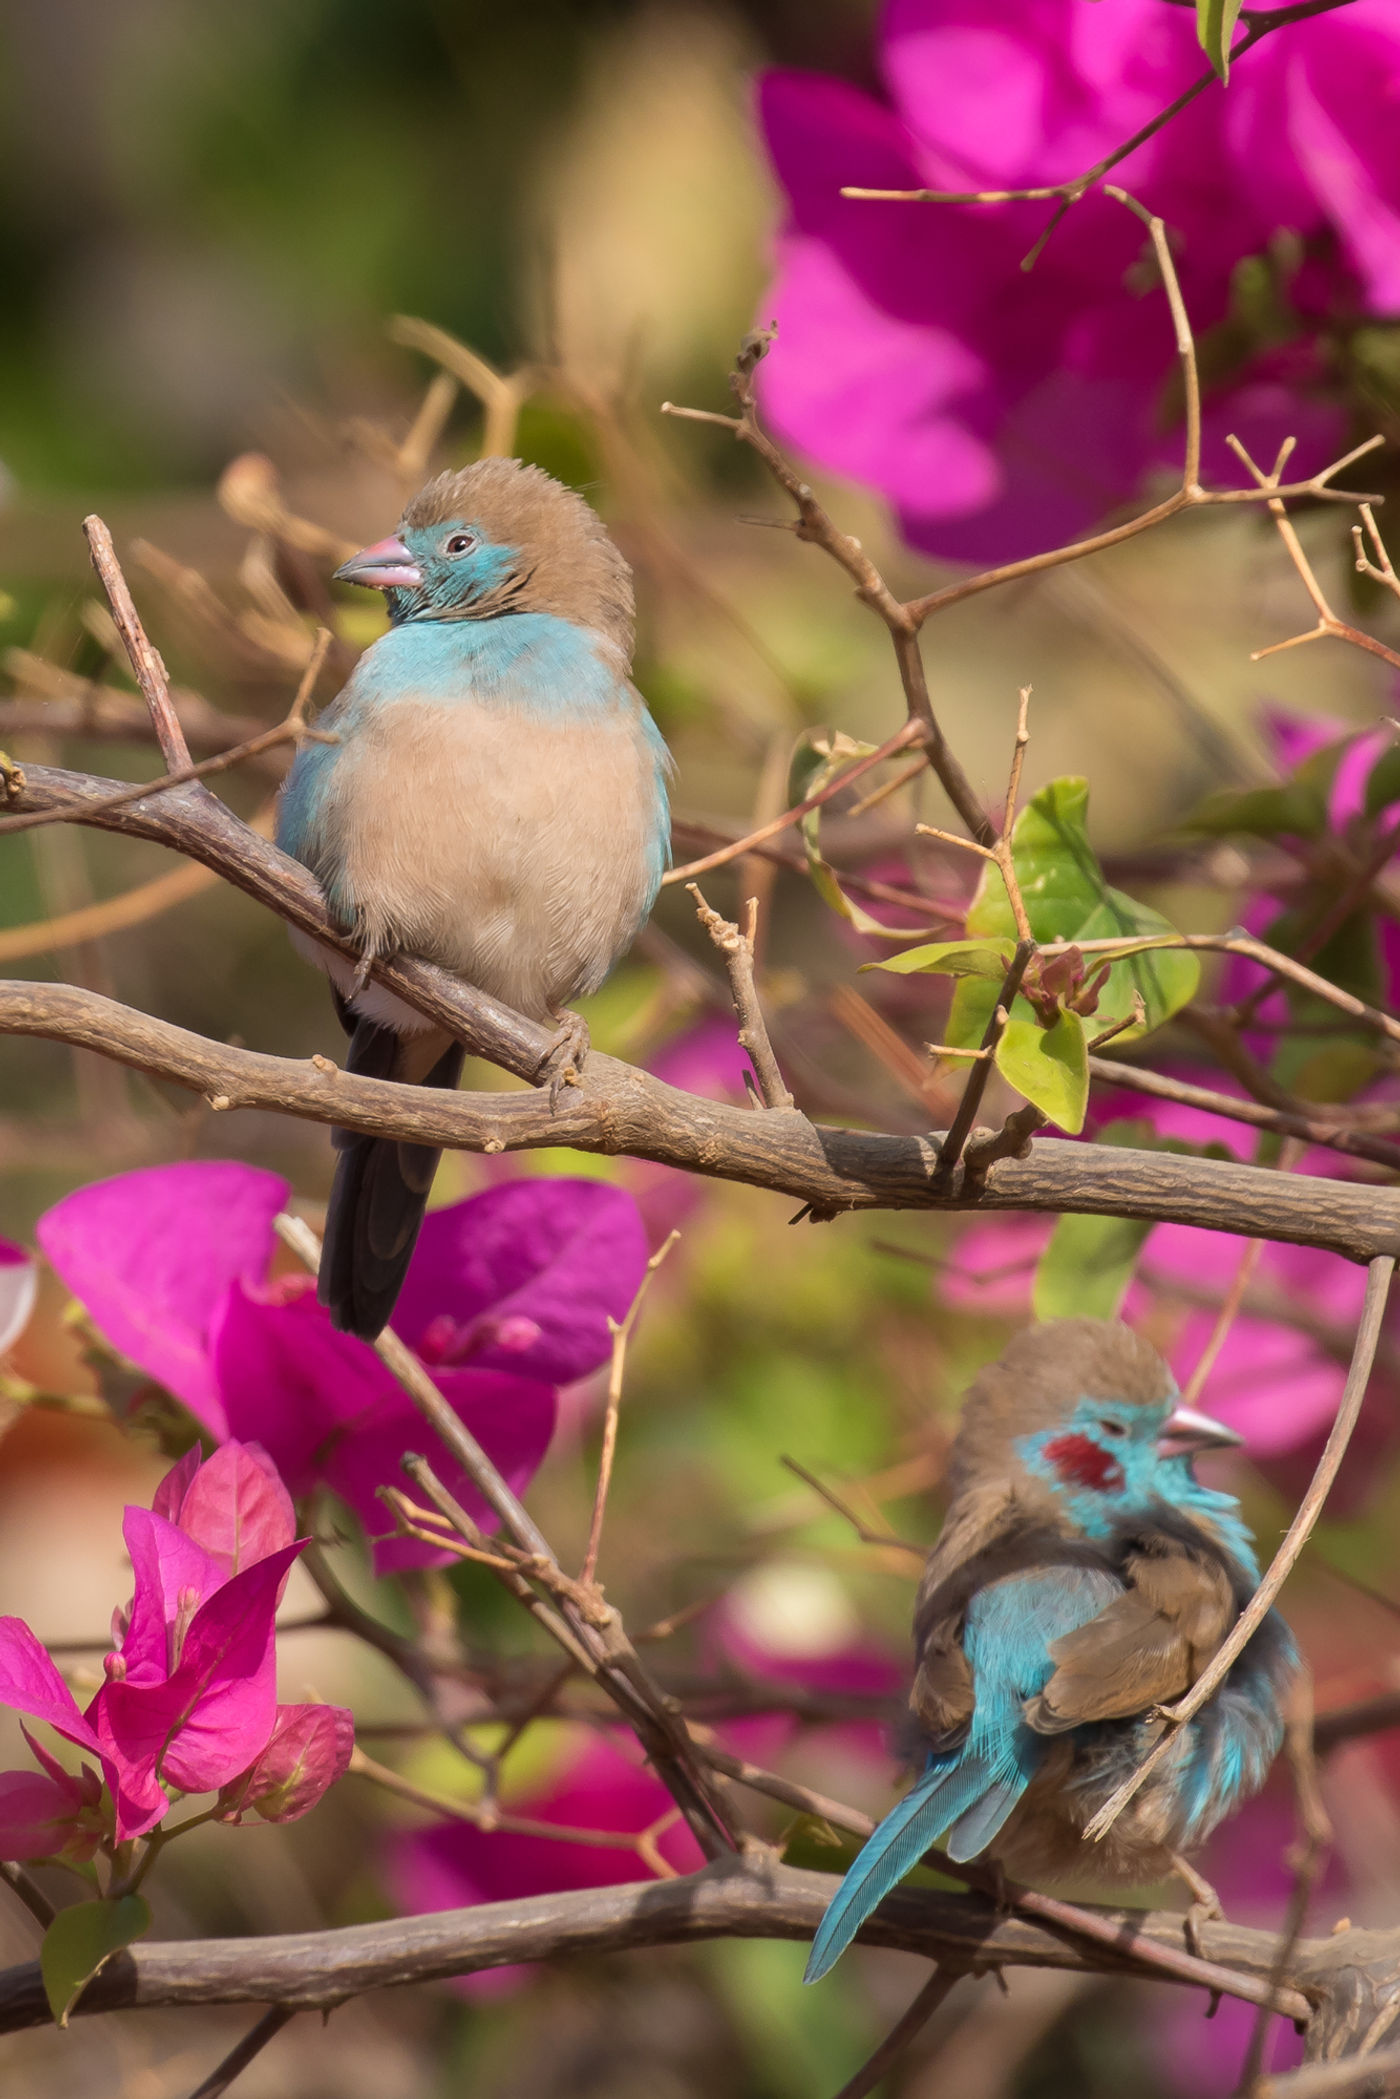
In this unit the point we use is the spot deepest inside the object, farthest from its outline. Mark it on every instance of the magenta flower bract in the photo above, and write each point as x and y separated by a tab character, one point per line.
308	1749
1001	412
190	1698
508	1296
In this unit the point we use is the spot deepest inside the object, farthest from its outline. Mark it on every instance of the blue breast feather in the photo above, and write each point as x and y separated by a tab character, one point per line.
531	662
970	1791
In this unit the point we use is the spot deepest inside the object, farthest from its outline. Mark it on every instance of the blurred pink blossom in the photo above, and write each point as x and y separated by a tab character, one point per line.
1001	412
508	1295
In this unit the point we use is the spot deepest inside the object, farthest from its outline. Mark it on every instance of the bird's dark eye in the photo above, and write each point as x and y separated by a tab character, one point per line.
1113	1428
460	543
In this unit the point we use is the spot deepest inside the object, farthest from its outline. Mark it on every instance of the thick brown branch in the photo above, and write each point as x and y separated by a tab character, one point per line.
621	1110
734	1899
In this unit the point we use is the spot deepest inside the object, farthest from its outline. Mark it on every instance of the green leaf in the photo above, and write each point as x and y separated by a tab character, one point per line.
1293	809
834	752
1050	1066
1383	781
1296	807
1067	898
952	958
80	1939
1087	1267
1215	26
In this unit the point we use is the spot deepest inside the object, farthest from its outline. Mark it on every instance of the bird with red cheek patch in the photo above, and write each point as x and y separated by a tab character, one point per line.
1083	1578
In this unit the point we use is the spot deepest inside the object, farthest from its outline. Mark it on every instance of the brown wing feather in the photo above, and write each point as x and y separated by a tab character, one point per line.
1146	1648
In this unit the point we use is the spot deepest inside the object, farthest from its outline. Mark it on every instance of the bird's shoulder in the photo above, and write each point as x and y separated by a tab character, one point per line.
1181	1593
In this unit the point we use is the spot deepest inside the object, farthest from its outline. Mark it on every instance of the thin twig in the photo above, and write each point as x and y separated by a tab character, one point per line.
910	732
621	1332
1379	1273
493	1821
291	729
814	524
146	664
843	1509
1259	23
737	948
1225	1319
950	1151
906	2027
1382	569
1292	1122
252	2044
1328	624
1018	754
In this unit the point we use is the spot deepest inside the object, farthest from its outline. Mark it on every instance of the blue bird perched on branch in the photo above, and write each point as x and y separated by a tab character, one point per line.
1082	1579
494	801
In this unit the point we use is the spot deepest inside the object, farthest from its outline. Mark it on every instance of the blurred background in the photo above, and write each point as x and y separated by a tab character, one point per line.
215	217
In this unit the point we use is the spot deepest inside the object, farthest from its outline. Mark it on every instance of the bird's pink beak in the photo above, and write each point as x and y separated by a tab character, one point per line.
387	565
1188	1430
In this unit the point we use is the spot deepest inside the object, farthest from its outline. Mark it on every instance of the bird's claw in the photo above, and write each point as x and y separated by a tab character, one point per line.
11	778
562	1063
1205	1905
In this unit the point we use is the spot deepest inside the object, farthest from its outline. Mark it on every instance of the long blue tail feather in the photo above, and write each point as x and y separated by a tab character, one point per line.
973	1832
942	1795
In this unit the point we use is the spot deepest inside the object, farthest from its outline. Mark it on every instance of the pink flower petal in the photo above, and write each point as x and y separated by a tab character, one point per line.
512	1418
235	1506
212	1717
173	1578
152	1253
565	1254
30	1684
38	1815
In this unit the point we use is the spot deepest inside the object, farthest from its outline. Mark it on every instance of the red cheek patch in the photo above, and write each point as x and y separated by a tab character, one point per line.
1080	1462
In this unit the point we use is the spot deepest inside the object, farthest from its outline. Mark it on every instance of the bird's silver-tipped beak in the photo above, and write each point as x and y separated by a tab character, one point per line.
1189	1430
387	565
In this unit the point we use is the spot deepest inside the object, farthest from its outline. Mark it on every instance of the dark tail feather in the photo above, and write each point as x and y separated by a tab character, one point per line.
379	1195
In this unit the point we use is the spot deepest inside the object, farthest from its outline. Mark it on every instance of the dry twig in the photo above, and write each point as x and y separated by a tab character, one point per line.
737	948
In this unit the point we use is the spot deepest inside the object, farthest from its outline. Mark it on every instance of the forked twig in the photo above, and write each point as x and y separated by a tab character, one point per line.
737	949
1328	624
147	666
1378	1277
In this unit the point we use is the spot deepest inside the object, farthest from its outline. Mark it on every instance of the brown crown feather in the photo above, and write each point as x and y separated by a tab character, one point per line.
569	566
1038	1379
